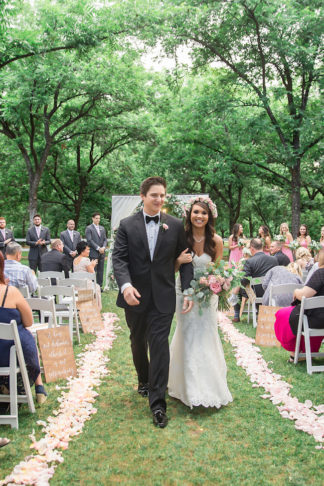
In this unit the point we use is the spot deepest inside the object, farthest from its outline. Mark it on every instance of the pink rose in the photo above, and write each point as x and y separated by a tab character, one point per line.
212	279
165	227
220	279
216	287
227	285
203	281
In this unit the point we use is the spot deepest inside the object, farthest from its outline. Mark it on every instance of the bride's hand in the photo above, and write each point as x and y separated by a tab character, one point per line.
187	305
184	257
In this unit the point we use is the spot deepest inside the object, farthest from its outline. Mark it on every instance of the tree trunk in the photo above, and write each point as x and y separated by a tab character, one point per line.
34	180
295	198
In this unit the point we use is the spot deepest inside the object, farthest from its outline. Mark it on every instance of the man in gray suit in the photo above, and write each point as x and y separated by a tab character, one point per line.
6	236
70	239
38	237
97	241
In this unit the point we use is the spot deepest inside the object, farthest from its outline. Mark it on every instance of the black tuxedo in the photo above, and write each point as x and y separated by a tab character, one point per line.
55	261
36	251
70	245
283	260
150	321
9	234
95	241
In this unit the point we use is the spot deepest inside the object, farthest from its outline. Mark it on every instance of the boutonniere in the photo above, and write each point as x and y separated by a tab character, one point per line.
164	227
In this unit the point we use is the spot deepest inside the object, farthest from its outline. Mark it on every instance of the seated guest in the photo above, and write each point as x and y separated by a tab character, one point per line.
286	324
276	251
304	258
281	275
14	307
55	260
256	266
82	263
19	275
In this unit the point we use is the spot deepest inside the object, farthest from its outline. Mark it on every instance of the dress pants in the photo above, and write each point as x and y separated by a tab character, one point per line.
150	330
34	264
99	269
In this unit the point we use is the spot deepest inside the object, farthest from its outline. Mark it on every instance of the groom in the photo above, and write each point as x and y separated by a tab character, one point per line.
146	247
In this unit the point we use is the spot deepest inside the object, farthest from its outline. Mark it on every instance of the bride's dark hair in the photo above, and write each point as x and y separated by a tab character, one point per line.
209	245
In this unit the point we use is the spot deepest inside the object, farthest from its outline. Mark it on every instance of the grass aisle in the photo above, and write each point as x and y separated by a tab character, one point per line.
245	443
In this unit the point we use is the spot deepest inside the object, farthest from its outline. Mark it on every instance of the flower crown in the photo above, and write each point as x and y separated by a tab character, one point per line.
206	200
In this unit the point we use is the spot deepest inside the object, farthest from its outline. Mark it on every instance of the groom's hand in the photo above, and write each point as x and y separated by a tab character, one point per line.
187	305
131	295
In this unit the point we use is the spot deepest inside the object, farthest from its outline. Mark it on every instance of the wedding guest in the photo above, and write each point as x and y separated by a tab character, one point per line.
303	237
286	324
265	237
38	237
322	236
14	307
55	260
5	236
82	263
292	273
236	250
19	275
276	251
256	266
284	231
304	258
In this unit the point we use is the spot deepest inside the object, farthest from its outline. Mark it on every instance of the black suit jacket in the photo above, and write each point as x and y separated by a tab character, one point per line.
37	250
257	266
55	261
9	234
282	258
153	279
69	245
94	240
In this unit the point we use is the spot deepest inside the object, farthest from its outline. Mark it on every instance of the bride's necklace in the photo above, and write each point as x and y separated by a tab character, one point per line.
198	241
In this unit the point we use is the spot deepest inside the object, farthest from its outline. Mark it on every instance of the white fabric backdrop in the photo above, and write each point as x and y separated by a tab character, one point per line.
123	206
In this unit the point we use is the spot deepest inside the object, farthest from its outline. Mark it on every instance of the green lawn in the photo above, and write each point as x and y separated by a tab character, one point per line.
245	443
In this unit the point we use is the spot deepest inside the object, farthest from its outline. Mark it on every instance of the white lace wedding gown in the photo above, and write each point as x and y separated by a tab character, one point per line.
198	370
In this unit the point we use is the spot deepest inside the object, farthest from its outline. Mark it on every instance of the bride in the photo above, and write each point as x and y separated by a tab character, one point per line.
198	370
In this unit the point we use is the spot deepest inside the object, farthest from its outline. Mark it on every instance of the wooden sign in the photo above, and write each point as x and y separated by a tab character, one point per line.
84	295
90	316
265	335
57	353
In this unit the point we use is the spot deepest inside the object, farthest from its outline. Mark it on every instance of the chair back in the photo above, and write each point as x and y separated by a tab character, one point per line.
60	290
51	274
282	289
43	281
77	283
44	305
311	303
84	275
24	291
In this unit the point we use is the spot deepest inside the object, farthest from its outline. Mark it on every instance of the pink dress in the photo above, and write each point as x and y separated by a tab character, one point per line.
287	251
304	244
235	255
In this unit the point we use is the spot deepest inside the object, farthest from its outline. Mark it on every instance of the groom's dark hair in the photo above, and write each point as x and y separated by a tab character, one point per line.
151	181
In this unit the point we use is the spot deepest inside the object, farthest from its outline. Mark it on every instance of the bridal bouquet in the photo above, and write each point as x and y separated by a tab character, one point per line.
216	279
294	245
242	242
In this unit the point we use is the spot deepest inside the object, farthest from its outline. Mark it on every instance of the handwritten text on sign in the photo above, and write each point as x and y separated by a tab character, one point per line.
90	317
265	335
57	353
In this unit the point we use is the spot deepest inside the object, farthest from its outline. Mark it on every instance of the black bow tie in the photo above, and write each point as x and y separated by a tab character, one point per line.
151	218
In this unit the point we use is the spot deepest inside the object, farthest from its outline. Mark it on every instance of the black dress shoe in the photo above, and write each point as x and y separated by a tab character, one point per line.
143	389
160	418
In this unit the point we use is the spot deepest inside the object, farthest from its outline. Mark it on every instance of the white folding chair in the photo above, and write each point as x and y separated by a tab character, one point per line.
10	332
282	289
24	291
308	332
42	308
51	274
65	307
87	276
256	300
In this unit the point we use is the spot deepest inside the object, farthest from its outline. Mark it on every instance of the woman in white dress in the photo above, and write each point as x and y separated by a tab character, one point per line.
198	370
82	263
